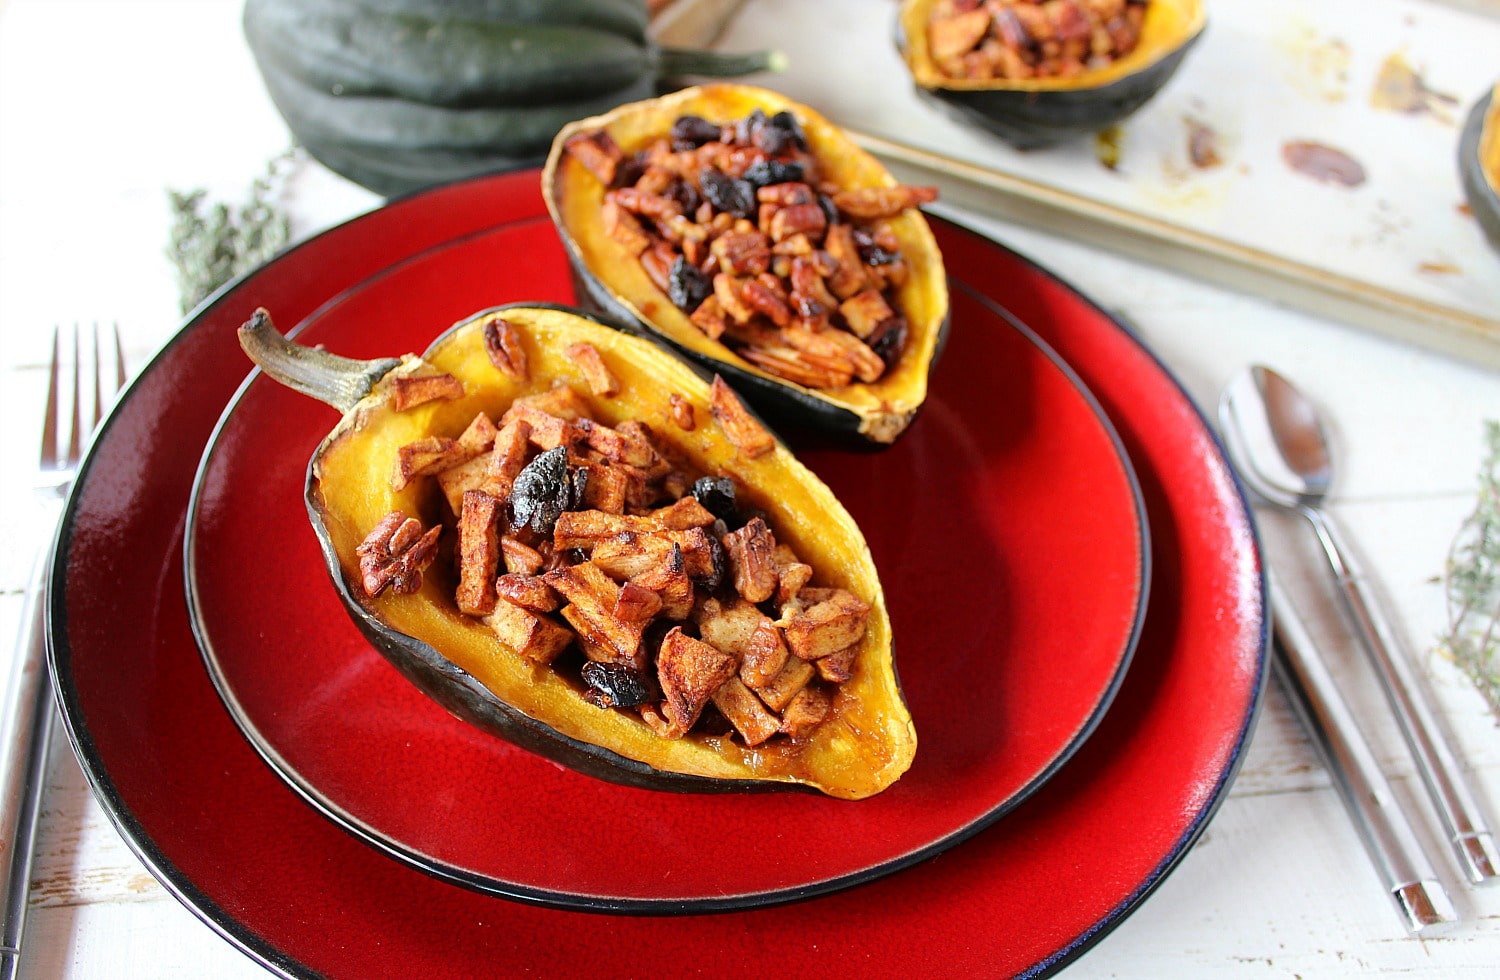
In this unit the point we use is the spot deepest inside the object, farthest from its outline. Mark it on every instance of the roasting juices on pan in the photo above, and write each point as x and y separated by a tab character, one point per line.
756	237
644	583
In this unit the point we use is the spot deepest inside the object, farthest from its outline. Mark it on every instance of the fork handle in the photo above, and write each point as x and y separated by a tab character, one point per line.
27	734
1463	822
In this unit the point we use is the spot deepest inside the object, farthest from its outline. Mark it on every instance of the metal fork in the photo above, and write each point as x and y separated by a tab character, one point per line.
26	732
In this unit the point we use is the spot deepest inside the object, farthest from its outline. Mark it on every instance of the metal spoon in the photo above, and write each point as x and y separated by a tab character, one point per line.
1274	435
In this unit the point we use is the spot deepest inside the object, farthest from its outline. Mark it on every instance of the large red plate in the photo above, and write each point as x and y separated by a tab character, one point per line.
1007	530
296	892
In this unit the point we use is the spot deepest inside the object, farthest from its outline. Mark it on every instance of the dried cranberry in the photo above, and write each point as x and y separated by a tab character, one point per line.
685	194
786	123
764	173
690	132
744	130
542	491
889	340
615	685
736	197
687	286
717	495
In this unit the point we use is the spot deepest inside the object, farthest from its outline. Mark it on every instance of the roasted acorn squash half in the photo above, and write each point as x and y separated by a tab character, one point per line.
865	739
1479	163
612	281
1035	112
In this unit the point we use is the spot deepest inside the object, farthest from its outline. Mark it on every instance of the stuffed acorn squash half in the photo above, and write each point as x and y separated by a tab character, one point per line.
567	537
754	237
1037	72
1479	163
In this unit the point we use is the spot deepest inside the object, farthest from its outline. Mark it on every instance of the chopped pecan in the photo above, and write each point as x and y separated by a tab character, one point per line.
681	412
394	554
793	365
597	151
727	290
750	558
807	220
502	343
689	672
625	228
957	35
847	275
871	203
742	253
478	552
764	295
409	391
743	429
595	372
710	318
866	312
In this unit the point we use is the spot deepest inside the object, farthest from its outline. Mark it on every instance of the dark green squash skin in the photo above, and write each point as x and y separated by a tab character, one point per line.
792	413
369	95
1030	120
1483	201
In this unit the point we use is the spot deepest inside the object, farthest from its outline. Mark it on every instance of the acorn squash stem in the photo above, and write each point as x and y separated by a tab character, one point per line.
331	379
676	62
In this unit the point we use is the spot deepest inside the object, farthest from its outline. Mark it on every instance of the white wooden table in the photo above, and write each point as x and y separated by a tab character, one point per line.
105	103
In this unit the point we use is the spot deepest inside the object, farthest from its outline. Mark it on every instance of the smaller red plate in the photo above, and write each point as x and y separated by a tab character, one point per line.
1007	527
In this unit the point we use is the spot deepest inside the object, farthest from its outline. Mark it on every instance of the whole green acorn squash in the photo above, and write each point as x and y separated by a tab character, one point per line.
397	95
864	743
1035	112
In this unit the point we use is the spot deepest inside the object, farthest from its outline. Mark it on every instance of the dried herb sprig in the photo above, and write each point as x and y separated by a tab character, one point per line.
212	243
1471	582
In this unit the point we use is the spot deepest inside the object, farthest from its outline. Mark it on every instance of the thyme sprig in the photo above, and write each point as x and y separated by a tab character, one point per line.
1471	583
211	243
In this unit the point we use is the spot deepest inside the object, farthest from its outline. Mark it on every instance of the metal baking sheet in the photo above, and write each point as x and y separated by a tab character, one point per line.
1398	252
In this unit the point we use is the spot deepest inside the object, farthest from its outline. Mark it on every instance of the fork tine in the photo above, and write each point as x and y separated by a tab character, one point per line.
50	455
119	360
98	381
75	438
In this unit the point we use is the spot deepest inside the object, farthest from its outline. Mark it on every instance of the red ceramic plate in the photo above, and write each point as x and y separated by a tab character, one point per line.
305	898
1007	530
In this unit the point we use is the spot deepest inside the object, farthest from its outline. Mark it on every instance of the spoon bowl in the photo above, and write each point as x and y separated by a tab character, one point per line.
1283	450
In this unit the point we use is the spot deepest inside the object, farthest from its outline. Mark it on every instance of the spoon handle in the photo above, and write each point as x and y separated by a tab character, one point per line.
1463	823
1403	867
